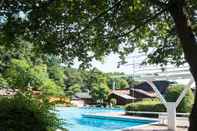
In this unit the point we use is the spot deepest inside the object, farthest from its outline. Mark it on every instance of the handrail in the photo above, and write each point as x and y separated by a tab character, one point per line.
142	112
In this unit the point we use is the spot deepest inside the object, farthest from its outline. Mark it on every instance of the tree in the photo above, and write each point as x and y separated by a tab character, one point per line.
119	83
100	92
54	69
71	90
93	76
22	50
50	88
132	82
96	83
16	74
72	81
57	74
91	29
22	75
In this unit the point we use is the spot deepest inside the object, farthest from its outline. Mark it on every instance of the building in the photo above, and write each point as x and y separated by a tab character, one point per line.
138	92
122	96
81	99
144	90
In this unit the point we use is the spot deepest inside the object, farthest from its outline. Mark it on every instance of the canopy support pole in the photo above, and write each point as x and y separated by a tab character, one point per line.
171	116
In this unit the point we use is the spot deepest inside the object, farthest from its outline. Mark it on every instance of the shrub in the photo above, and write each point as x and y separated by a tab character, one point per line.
173	93
153	105
25	113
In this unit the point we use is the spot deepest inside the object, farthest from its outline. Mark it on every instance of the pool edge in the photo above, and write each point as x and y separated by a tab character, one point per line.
156	121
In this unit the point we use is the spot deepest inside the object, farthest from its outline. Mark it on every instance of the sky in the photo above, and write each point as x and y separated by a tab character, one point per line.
110	63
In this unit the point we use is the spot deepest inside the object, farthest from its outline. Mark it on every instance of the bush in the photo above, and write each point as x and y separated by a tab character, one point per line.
25	113
153	105
173	93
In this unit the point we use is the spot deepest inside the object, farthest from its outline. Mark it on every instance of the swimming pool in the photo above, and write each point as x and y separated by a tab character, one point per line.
76	122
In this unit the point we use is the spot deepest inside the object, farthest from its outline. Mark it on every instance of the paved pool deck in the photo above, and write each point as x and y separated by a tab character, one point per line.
182	124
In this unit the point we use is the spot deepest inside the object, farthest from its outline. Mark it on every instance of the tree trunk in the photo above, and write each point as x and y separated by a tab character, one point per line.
189	45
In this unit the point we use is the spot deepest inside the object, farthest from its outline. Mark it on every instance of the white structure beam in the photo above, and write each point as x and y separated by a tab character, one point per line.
164	77
183	93
163	101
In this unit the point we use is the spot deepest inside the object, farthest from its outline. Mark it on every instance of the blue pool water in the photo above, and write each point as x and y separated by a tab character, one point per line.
76	122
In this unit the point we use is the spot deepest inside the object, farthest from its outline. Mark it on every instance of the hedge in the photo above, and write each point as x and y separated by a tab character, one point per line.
150	105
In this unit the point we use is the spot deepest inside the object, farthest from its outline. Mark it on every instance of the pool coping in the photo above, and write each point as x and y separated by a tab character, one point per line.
99	115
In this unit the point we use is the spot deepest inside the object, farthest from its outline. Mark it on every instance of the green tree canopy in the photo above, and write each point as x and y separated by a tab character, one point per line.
73	81
119	83
17	74
100	92
22	75
95	28
57	74
72	89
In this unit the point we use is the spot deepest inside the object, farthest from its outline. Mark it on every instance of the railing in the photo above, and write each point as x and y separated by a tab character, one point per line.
162	116
156	113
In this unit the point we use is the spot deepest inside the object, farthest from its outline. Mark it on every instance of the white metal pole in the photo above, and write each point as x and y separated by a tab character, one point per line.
171	109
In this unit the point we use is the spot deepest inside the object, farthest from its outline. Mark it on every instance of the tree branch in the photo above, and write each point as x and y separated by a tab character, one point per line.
158	3
143	23
101	14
